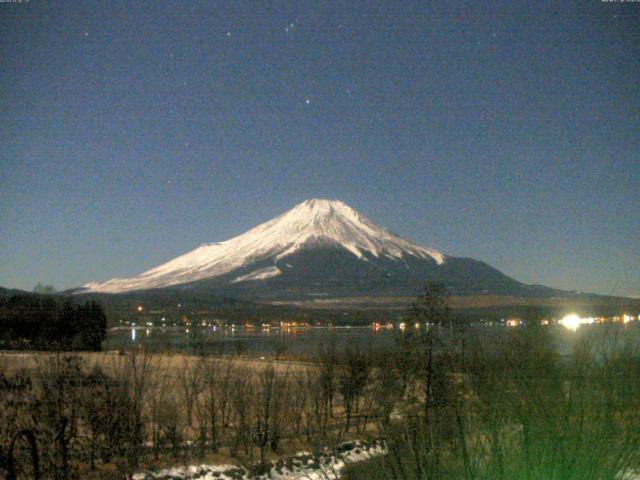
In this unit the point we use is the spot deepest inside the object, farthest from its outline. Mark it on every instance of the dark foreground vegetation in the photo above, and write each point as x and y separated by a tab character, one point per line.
519	411
46	322
446	408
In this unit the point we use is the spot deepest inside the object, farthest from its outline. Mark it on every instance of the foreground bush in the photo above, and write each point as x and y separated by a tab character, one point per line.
518	410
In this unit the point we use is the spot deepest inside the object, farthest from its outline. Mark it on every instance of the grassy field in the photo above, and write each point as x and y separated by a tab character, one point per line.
106	415
170	365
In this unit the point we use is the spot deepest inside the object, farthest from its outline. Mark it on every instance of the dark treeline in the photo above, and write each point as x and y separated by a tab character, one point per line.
40	322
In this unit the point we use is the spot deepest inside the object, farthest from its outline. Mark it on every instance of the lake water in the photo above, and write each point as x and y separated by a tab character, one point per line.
307	340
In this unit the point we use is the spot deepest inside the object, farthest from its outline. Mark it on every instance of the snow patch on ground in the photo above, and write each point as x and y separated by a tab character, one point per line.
324	465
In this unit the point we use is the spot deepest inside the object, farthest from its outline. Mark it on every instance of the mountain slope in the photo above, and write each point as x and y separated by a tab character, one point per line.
318	248
311	223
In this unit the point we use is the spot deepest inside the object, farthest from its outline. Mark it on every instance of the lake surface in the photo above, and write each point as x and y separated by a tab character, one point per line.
307	340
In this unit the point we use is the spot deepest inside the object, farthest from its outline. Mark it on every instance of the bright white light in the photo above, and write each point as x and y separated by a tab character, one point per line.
572	322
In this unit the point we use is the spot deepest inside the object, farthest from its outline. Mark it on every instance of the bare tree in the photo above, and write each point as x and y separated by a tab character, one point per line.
241	400
352	379
327	359
191	384
431	311
269	411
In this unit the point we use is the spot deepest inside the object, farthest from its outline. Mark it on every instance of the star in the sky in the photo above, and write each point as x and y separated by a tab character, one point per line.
86	34
228	34
307	101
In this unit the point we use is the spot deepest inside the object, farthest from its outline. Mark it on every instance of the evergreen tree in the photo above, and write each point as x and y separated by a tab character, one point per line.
95	330
44	323
44	289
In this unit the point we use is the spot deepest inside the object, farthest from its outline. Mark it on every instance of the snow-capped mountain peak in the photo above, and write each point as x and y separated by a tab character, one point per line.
311	223
335	221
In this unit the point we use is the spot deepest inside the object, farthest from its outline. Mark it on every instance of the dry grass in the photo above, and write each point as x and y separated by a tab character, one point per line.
172	364
165	408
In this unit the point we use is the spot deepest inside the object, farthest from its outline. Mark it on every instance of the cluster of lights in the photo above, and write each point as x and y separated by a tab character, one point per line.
573	321
628	318
377	326
294	324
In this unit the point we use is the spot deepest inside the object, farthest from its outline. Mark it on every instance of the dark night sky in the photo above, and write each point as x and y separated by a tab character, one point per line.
504	131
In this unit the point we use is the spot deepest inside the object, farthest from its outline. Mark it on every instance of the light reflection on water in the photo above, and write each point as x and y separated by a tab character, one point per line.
306	340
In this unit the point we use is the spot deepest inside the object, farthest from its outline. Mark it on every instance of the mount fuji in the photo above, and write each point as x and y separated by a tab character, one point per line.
319	248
